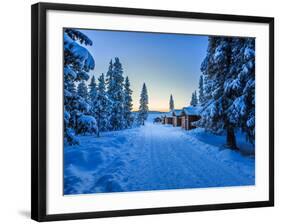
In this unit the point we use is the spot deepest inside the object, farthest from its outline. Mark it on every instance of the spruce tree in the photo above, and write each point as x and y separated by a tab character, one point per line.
82	90
93	95
216	68
101	112
194	100
93	89
171	103
117	96
201	90
128	105
83	105
70	87
207	68
77	63
109	82
241	86
143	108
248	75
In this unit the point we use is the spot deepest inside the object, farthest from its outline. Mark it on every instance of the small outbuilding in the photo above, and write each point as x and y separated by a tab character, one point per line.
188	115
182	118
172	117
177	118
167	118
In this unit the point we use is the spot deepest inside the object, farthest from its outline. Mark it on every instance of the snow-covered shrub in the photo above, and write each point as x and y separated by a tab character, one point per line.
87	124
69	137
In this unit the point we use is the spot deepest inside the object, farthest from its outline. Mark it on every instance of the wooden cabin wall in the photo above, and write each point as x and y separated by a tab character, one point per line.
168	120
182	121
192	118
176	121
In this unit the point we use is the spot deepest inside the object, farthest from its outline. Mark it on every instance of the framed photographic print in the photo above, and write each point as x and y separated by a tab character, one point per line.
138	111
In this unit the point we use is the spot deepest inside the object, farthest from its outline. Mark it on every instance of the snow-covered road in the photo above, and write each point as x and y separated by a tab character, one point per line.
153	157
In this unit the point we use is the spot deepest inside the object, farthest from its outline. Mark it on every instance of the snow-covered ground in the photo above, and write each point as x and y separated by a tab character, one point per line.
155	157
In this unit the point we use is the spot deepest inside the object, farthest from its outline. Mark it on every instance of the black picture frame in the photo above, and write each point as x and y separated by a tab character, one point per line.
39	122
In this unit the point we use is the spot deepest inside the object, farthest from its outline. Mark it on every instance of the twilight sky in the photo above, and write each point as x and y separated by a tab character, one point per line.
167	63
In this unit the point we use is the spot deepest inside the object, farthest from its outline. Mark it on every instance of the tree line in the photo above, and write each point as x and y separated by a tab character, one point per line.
105	105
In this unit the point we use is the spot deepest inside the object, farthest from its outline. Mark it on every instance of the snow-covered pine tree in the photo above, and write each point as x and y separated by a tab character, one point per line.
241	87
71	88
194	100
128	105
83	105
93	95
192	97
207	67
171	103
201	90
77	63
82	90
109	83
101	112
216	69
143	108
93	89
226	99
109	80
117	97
207	89
248	75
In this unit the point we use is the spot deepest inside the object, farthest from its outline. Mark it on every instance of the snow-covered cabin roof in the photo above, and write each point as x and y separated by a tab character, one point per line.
173	113
168	114
191	110
177	112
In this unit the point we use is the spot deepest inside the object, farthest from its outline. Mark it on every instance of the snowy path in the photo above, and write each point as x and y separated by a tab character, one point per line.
171	159
153	157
